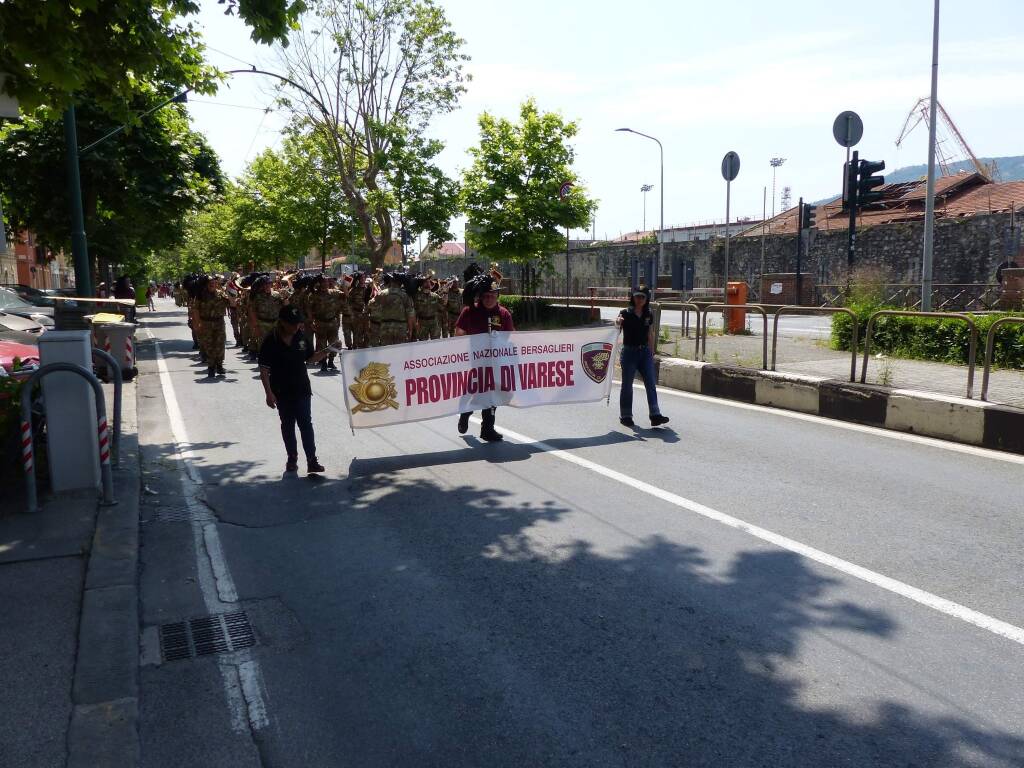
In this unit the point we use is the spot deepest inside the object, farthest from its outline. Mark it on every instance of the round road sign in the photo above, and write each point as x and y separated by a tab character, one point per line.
564	190
730	166
848	129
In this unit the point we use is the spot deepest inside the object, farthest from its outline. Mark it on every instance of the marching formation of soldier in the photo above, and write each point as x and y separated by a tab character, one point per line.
357	310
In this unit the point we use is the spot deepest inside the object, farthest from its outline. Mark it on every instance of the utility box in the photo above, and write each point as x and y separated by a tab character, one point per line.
72	443
118	339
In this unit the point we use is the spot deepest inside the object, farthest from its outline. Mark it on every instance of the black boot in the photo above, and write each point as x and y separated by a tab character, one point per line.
323	366
210	372
330	363
464	422
487	431
221	371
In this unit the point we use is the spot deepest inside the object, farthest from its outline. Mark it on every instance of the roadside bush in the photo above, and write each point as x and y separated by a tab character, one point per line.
925	338
549	316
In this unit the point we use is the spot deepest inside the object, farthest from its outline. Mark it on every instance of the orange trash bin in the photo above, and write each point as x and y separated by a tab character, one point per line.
736	319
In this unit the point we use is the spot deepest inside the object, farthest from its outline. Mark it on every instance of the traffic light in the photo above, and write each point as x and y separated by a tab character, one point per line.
808	216
406	237
867	181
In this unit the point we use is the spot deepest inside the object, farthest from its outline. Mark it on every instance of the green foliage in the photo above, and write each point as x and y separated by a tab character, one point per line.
54	50
924	338
137	187
548	315
511	190
371	76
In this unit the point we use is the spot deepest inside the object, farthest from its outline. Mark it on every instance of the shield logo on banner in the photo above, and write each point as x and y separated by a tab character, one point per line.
596	358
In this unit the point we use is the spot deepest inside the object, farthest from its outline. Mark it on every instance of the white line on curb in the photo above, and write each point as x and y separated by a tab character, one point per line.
940	604
242	678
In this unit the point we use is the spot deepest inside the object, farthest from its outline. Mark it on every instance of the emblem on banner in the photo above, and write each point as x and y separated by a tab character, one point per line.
596	359
374	388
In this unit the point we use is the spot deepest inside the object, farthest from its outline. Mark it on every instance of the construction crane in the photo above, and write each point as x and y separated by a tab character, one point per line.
920	113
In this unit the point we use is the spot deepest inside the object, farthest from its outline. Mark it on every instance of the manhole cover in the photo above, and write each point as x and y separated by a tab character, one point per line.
205	636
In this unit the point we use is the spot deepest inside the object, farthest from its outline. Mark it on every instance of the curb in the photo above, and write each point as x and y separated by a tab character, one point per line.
105	690
974	422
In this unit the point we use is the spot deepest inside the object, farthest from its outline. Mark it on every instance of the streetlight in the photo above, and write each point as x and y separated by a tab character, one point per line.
929	205
645	189
79	244
661	238
775	162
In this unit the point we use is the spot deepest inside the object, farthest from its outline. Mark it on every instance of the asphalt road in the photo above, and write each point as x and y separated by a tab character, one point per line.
806	326
748	588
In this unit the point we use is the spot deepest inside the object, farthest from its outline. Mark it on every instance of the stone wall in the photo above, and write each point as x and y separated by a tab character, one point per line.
966	251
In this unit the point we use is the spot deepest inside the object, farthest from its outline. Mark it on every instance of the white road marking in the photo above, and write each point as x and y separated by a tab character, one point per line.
891	434
940	604
241	677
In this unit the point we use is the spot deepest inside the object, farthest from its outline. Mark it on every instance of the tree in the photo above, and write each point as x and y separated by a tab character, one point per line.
54	50
511	191
137	187
369	78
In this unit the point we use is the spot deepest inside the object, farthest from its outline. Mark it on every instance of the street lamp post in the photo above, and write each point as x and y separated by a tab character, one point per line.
929	213
79	243
645	189
775	162
661	230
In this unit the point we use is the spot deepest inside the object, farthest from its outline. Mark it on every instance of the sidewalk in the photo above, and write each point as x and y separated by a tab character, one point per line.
814	357
69	638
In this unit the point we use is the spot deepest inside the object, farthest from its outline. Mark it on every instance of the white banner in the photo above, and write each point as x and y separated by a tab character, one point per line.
430	379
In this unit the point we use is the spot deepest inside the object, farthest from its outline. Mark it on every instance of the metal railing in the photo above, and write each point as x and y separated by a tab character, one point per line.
27	449
794	309
702	329
963	297
989	350
971	354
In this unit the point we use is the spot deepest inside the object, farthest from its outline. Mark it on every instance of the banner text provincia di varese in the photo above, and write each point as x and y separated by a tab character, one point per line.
522	369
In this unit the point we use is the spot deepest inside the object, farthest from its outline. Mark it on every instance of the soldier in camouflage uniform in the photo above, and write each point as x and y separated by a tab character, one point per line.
357	307
234	312
210	307
429	307
265	308
324	312
346	312
453	305
394	310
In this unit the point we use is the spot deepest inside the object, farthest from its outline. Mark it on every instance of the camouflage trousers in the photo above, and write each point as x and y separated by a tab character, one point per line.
346	329
430	328
235	325
361	332
211	337
393	333
326	335
450	329
265	327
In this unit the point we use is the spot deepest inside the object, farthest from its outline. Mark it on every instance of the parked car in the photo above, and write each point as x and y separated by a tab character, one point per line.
37	297
13	304
19	324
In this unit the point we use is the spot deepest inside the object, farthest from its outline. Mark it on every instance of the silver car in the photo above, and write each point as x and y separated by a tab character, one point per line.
12	304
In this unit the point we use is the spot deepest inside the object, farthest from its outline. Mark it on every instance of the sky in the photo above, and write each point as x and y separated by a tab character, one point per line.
764	79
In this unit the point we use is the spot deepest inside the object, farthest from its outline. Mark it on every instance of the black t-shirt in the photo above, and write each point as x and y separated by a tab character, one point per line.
635	329
287	364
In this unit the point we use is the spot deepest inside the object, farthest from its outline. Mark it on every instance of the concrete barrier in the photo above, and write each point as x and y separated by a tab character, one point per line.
923	413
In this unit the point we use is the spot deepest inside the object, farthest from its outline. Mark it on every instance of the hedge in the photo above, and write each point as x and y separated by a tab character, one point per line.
925	338
548	315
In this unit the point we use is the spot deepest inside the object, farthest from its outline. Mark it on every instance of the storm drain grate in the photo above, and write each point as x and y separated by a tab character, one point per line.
219	633
182	514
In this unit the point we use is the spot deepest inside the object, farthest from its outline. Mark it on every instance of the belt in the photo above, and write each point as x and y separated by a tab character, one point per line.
634	346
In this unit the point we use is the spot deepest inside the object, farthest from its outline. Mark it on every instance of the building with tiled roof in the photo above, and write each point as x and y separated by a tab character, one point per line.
957	196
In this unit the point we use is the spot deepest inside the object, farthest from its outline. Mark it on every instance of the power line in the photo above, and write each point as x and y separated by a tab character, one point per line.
225	53
223	104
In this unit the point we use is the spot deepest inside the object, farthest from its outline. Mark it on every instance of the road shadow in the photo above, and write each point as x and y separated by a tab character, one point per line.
453	623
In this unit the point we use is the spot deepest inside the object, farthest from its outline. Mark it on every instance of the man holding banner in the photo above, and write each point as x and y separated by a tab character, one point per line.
486	365
484	316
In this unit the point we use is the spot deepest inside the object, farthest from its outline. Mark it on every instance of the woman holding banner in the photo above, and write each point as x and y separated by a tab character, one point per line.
483	315
638	345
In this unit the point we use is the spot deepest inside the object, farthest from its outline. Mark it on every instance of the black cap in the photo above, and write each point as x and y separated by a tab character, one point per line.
290	315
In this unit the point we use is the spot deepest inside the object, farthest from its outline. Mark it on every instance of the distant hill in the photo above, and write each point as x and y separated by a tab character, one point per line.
1010	169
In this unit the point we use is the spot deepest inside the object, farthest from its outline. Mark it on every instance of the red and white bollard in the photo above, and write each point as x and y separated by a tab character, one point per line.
108	483
104	434
129	354
26	446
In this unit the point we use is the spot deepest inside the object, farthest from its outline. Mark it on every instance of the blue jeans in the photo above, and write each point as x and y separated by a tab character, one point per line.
633	360
296	410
